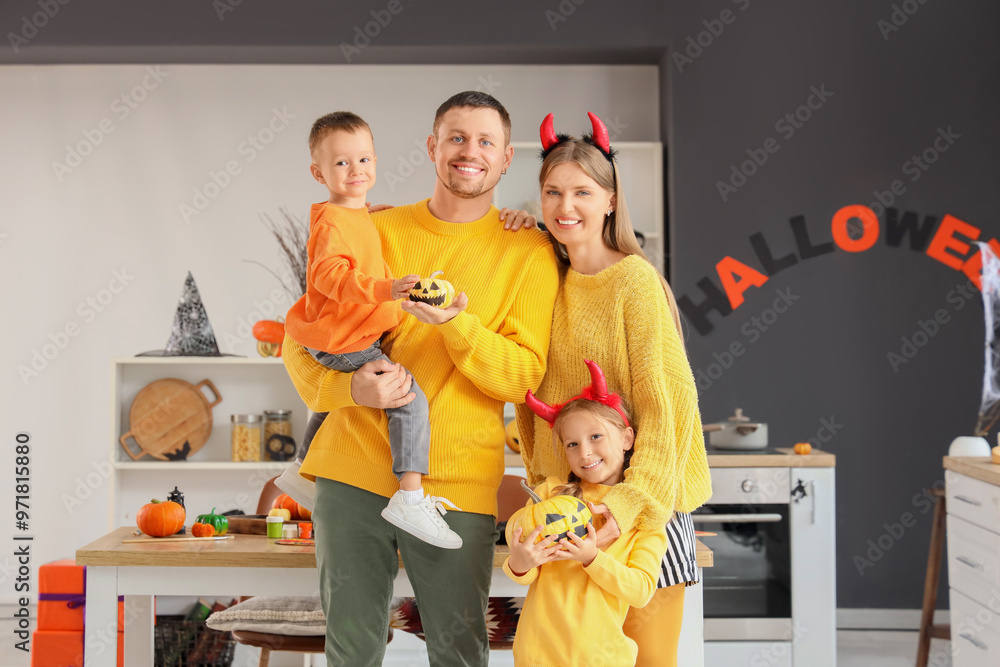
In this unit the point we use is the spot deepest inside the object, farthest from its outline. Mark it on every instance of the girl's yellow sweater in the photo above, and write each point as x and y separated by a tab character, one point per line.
573	615
468	367
620	319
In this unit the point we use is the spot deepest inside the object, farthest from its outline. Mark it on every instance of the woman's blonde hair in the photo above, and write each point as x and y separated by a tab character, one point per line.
604	413
618	232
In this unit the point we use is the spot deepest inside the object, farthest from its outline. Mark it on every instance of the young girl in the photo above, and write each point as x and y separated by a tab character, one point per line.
579	594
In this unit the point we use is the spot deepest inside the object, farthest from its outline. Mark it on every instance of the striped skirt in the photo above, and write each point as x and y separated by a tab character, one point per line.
680	564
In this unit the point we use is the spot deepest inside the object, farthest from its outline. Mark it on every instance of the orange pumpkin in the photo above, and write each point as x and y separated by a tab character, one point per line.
303	513
203	530
512	436
269	331
160	519
802	448
286	502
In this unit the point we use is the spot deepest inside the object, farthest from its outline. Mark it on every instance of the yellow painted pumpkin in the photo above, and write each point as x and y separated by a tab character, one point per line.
558	515
512	436
433	291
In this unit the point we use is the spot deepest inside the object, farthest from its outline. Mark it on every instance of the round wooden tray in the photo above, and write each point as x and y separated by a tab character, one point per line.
170	419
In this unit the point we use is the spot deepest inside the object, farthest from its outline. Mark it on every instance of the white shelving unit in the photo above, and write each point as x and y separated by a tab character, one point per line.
209	478
640	166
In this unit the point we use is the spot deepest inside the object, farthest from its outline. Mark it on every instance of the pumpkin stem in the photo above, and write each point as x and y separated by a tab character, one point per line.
213	511
154	500
534	496
435	273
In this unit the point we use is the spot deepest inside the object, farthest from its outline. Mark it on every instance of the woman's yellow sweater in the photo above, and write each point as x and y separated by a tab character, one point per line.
620	319
573	615
492	352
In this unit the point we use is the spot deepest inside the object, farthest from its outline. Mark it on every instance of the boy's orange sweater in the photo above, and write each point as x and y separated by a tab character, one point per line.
348	303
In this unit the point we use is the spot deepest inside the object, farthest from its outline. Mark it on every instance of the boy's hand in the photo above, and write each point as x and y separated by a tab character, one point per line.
610	531
526	555
381	384
429	314
579	549
513	219
401	286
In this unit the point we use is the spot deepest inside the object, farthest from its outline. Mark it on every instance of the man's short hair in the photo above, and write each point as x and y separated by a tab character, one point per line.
331	122
474	99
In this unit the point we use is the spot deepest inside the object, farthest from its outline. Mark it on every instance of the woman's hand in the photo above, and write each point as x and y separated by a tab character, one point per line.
401	286
609	532
429	314
526	555
513	219
381	384
579	549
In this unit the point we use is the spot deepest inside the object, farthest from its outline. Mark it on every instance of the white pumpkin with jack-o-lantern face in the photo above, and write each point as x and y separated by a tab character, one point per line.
433	291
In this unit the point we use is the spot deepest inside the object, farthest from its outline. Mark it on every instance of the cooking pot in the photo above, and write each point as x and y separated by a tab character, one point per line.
737	432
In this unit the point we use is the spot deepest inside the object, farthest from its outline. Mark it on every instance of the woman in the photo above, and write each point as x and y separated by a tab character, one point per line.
614	308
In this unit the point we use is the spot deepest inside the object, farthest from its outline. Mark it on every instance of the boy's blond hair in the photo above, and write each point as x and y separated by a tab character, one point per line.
331	122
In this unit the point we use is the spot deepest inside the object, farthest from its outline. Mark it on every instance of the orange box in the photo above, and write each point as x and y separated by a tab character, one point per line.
57	648
61	586
121	648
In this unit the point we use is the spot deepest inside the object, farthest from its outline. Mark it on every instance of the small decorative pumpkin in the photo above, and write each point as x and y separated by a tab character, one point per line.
302	512
160	519
285	501
218	522
282	512
559	515
434	291
270	334
803	448
512	436
203	530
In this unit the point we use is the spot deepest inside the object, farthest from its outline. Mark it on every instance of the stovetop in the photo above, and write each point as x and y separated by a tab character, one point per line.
710	450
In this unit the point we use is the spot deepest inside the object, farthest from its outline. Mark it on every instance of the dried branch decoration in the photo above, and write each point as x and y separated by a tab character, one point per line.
292	237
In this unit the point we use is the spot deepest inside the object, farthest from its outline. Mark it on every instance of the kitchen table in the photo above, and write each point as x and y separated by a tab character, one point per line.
244	565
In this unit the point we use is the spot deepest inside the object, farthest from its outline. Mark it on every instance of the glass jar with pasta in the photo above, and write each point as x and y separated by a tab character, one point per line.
246	437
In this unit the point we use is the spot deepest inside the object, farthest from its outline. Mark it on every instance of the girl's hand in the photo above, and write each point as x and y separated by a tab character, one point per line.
526	555
429	314
609	532
401	286
513	219
579	549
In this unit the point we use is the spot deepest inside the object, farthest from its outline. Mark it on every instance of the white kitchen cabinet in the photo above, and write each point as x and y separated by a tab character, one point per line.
640	165
208	478
973	532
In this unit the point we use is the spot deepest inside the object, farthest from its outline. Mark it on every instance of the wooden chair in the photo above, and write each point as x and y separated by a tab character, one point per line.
928	630
267	641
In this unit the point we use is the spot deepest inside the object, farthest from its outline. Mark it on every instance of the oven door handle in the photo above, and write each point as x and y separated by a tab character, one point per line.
736	518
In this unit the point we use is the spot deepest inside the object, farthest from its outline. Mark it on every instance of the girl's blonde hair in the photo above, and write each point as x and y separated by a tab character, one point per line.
604	413
618	232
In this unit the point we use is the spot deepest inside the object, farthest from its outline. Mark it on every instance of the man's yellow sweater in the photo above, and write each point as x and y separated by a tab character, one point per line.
491	353
620	319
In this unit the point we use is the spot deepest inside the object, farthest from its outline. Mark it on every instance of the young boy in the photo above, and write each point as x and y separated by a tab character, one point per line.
351	301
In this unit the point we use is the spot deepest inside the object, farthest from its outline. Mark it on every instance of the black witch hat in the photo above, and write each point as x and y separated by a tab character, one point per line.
191	334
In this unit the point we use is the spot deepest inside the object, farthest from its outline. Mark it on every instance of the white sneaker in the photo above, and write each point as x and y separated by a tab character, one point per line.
298	487
423	520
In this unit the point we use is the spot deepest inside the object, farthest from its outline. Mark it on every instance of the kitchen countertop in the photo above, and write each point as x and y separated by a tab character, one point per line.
784	458
976	467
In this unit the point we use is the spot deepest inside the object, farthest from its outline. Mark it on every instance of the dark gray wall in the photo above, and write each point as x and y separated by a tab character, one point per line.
825	358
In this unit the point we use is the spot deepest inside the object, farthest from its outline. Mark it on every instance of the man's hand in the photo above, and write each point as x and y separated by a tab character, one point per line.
377	207
513	219
401	286
526	555
579	549
381	384
609	532
429	314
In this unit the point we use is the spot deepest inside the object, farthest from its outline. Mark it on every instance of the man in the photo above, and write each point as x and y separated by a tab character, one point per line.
485	349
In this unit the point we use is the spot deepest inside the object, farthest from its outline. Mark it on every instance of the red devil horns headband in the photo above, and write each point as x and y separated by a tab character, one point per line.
597	391
598	136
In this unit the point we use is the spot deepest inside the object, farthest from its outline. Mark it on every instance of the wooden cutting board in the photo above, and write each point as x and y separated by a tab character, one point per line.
170	419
